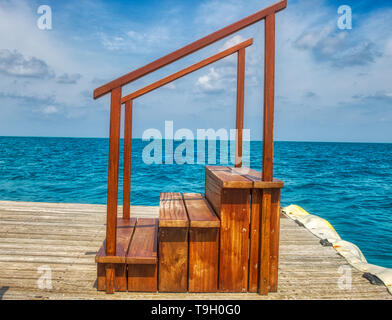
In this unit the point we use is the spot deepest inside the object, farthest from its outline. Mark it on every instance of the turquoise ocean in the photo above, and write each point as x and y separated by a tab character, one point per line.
349	184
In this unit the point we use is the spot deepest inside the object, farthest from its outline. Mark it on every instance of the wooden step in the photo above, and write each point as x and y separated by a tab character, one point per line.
142	256
112	273
173	244
203	244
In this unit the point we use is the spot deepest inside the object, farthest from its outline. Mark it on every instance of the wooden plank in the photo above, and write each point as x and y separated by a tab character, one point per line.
264	246
114	150
254	240
274	239
142	257
142	278
173	259
143	247
172	244
234	241
127	160
227	177
213	192
172	211
257	179
199	212
203	244
240	106
269	83
125	228
190	48
187	71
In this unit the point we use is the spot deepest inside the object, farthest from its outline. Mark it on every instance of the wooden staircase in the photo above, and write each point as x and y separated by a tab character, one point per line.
226	241
199	244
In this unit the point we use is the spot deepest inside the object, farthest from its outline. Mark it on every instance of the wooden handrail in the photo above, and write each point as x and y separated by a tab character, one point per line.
194	46
187	70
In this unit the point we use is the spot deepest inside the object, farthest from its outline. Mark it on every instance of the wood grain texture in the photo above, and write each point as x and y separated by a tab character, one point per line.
264	246
173	259
114	150
172	212
127	160
234	241
65	236
203	244
256	199
274	239
125	228
213	192
269	92
188	70
142	278
199	212
227	177
257	179
143	247
190	48
240	106
203	259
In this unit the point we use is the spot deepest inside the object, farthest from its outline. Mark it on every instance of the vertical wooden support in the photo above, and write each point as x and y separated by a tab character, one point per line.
127	160
268	145
269	77
234	240
114	150
254	240
240	106
274	236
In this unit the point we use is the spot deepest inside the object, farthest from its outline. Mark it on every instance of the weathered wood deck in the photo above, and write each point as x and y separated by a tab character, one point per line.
65	237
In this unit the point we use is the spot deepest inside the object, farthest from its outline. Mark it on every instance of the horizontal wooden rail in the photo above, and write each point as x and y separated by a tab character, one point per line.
187	70
194	46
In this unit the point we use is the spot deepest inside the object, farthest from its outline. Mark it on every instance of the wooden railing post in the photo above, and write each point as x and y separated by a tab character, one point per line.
127	160
268	128
240	106
269	79
114	150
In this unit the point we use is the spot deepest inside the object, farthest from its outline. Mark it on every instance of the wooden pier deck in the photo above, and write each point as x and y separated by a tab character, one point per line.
65	237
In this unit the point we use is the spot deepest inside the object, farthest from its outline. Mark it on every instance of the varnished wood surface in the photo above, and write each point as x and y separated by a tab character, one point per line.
172	212
124	233
143	247
65	238
199	212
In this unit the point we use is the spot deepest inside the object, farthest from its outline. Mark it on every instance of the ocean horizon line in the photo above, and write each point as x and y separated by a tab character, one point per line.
139	138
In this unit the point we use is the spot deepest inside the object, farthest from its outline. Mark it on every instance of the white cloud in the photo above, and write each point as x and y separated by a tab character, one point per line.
13	63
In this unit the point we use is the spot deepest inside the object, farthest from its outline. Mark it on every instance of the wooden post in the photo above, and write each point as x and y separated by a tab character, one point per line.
268	144
240	106
269	76
114	148
274	242
127	160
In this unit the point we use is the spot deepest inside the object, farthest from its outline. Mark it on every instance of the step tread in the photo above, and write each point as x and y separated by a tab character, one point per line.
125	228
143	246
172	212
200	213
225	177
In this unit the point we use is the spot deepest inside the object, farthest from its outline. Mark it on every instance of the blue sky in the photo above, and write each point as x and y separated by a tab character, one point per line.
331	84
